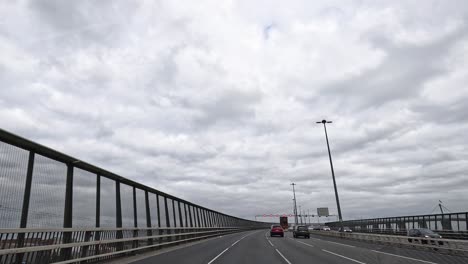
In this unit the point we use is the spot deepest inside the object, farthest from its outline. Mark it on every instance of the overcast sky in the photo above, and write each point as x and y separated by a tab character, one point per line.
216	101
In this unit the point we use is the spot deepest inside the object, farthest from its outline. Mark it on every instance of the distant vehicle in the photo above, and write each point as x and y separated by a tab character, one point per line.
325	228
276	230
314	227
425	234
345	229
284	222
302	231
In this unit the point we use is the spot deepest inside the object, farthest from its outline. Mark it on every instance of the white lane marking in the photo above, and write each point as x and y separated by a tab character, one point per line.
270	243
404	257
343	256
304	243
283	256
211	261
219	255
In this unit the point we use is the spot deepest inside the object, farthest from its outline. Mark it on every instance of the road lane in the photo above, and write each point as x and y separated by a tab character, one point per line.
201	253
256	248
259	248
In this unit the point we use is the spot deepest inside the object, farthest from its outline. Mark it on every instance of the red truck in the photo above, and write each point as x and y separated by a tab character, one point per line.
284	222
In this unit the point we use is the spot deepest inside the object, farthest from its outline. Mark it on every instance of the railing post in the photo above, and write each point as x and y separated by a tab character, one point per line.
190	208
174	213
159	218
97	235
204	218
168	222
67	216
25	208
135	219
181	223
186	216
149	232
197	210
118	215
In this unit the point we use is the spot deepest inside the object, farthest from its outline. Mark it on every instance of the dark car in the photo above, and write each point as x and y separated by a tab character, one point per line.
425	233
276	230
345	229
302	231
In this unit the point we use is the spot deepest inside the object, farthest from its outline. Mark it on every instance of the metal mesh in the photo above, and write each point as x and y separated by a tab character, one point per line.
162	212
126	200
153	209
107	205
46	207
141	208
84	198
13	169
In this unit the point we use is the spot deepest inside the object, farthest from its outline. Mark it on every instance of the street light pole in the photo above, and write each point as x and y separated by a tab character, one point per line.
295	204
324	122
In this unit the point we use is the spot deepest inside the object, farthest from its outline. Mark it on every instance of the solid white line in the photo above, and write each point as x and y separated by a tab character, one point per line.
281	256
271	243
211	261
219	255
343	257
404	257
304	243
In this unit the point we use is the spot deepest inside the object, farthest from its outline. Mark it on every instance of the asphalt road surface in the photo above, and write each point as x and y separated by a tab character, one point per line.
257	247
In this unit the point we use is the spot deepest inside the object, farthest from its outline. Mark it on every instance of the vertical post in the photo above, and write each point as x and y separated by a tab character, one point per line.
135	218
204	218
157	206
159	218
168	222
149	232
118	214
25	208
186	216
180	214
174	213
97	235
190	215
27	191
68	211
197	211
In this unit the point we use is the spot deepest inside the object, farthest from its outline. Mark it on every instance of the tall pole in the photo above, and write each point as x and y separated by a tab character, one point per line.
295	204
324	122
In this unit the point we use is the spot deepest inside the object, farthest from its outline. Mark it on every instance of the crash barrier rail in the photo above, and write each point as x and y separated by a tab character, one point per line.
450	246
448	234
441	223
95	244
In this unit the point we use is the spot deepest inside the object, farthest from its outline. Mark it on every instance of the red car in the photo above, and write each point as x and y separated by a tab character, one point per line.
276	230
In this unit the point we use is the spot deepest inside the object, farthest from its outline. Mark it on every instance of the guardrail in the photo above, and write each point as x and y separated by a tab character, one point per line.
448	234
95	244
451	246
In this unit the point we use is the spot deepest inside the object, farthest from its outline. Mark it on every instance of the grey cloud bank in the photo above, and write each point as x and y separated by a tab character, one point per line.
216	101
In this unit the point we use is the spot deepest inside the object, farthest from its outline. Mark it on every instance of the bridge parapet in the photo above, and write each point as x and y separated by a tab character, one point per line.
54	207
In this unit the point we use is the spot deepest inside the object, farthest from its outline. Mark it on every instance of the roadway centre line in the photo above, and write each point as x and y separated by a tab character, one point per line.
283	256
343	256
404	257
219	255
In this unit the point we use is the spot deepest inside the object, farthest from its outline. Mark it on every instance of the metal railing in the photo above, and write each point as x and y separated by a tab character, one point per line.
50	201
450	225
451	246
93	245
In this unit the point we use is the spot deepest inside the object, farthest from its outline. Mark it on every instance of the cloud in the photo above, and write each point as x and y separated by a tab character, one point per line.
216	102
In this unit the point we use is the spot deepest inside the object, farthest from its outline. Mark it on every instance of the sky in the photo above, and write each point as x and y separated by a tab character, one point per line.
216	102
